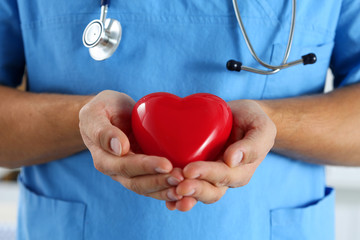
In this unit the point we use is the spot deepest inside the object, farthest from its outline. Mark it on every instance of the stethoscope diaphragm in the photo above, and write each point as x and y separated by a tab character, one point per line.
103	36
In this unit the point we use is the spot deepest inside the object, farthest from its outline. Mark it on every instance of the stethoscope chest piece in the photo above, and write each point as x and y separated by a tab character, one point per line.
103	36
101	40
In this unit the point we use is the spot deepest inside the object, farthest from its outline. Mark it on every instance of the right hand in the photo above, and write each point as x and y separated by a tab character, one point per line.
105	124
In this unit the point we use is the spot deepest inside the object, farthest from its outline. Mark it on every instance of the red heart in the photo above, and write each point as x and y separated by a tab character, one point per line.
183	130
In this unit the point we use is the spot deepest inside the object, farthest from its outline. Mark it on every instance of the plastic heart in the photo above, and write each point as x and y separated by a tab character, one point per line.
183	130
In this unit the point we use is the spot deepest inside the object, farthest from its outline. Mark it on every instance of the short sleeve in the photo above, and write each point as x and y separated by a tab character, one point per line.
12	59
345	62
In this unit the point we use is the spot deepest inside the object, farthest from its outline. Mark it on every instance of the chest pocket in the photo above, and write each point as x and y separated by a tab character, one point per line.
313	222
299	80
41	217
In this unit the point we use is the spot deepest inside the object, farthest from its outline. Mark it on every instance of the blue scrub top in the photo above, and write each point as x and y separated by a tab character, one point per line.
178	46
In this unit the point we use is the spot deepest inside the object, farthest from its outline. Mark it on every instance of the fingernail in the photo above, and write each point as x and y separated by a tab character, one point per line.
195	176
190	193
173	181
160	170
171	196
115	146
236	158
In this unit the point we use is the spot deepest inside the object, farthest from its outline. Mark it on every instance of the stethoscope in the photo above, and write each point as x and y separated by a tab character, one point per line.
103	36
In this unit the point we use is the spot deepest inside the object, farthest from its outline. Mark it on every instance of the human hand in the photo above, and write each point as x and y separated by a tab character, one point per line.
105	124
253	135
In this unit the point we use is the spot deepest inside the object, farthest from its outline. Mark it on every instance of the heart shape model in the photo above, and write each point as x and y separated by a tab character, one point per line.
183	130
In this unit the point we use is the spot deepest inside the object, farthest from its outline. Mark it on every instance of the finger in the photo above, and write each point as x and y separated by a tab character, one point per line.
201	190
155	186
184	205
113	140
171	205
109	137
168	195
219	174
176	176
98	131
130	165
213	172
254	145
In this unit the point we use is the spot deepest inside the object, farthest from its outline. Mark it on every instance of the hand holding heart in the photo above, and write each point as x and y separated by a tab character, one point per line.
105	125
252	137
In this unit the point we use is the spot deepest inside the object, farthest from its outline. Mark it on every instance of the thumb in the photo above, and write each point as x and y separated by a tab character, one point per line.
97	129
234	154
254	146
113	140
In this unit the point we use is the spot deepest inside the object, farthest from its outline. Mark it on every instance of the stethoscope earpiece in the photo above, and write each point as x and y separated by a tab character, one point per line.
103	36
233	65
309	59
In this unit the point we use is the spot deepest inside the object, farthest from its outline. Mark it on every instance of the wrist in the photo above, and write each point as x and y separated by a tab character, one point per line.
272	110
268	107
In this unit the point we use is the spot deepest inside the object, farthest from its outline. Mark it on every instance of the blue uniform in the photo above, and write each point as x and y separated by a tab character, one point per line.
181	47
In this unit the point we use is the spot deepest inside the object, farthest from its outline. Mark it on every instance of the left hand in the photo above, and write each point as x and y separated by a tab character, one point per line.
253	135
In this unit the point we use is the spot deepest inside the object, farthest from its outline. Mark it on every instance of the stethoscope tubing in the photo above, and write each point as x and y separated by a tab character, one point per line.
274	69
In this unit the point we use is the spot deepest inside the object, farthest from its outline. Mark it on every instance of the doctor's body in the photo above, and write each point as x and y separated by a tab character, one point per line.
87	183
